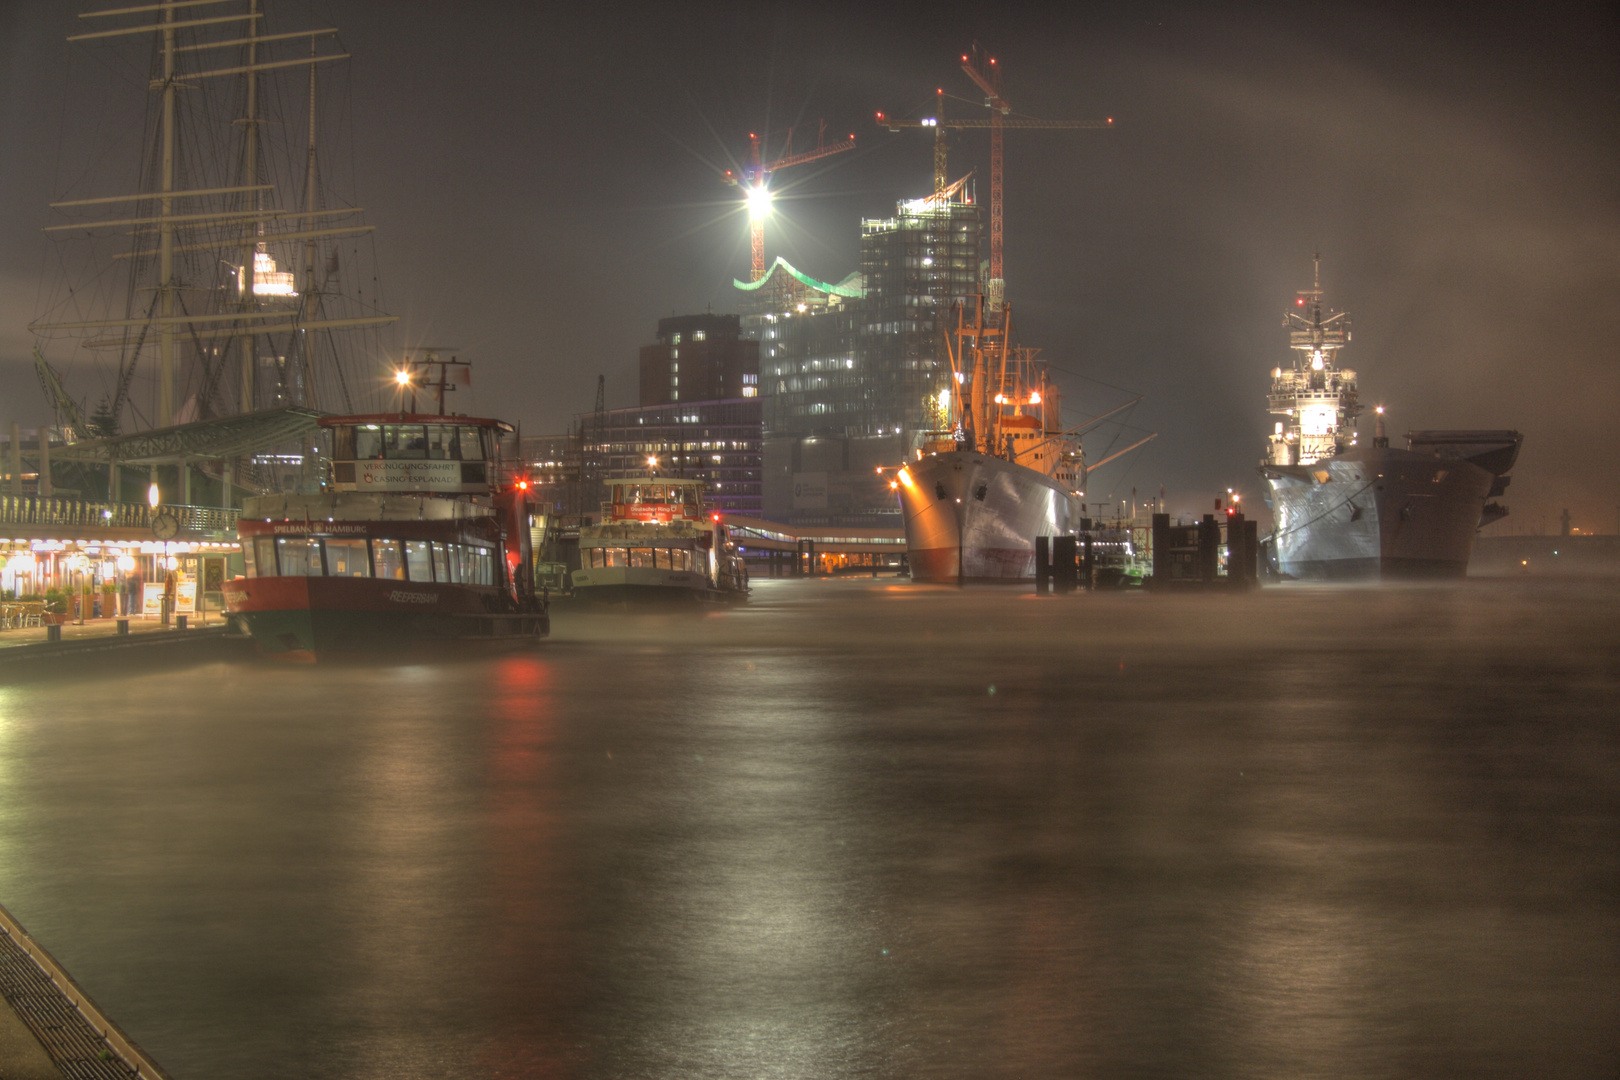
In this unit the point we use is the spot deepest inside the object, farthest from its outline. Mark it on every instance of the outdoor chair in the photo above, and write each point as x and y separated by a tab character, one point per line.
33	613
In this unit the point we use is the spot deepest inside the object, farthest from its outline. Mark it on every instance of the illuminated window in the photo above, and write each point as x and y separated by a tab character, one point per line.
386	560
698	335
674	339
347	558
299	556
418	560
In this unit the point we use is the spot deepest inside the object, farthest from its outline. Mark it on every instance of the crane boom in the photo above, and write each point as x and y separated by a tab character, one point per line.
754	181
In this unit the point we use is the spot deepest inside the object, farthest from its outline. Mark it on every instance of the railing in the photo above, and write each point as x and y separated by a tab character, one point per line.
41	510
205	519
37	510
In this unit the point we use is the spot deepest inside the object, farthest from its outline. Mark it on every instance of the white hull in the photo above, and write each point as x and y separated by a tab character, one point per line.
972	517
1379	513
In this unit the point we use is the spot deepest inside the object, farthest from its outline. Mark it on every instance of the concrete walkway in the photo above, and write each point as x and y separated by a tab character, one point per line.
102	628
49	1027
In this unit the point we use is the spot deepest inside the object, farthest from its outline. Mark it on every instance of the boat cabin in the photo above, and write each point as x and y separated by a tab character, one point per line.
654	499
400	452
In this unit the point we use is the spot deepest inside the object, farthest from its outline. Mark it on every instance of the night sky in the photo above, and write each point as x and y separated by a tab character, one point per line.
543	179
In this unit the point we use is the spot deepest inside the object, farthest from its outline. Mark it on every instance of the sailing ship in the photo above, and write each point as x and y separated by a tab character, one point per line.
223	308
1345	511
418	539
1005	472
658	541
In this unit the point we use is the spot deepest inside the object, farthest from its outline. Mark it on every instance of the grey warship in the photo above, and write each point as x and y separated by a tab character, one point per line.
1345	511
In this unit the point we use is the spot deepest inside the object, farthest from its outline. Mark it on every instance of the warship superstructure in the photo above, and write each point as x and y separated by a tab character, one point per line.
1348	510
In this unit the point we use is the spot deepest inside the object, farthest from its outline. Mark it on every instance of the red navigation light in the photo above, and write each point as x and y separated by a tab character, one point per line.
523	485
964	59
880	116
715	516
1300	301
1230	510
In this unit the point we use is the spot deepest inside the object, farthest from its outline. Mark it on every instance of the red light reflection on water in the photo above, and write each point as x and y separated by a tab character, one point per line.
530	878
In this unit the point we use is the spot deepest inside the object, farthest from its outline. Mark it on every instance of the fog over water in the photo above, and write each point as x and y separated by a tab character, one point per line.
860	828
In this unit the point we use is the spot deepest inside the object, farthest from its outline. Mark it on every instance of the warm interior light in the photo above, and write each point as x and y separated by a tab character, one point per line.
153	496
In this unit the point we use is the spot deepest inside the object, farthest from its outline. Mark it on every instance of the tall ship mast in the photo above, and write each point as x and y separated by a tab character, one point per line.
1347	510
222	278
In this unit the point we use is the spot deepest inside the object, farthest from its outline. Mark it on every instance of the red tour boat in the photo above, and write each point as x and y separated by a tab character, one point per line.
411	541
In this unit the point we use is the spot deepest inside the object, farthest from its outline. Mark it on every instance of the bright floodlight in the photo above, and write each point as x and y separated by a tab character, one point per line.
153	496
402	377
759	200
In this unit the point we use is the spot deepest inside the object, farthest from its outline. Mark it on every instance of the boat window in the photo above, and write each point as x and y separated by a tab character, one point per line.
441	562
264	556
463	560
386	560
612	556
472	449
404	441
452	558
347	558
680	559
441	442
343	443
418	560
486	566
247	559
299	556
641	557
690	496
368	443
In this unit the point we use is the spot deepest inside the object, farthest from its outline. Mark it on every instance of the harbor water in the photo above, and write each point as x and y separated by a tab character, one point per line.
859	828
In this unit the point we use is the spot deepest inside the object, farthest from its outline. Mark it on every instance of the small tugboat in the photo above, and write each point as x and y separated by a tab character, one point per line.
413	543
657	541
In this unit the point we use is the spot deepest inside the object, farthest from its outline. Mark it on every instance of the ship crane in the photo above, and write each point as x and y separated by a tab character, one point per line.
754	180
986	75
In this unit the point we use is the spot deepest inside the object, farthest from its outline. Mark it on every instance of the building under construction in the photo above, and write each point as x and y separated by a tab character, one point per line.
851	373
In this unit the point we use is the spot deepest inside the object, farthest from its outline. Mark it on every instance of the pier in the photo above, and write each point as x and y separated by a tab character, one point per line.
50	1028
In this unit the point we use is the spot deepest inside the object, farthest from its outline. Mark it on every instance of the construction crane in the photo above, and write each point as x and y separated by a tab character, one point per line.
755	178
986	75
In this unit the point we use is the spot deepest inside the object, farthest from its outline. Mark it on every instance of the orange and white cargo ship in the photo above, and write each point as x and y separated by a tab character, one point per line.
976	498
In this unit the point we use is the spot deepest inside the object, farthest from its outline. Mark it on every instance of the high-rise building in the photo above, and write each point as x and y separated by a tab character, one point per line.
699	358
851	373
717	441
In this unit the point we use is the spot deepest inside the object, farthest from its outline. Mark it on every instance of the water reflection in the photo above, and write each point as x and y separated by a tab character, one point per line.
859	829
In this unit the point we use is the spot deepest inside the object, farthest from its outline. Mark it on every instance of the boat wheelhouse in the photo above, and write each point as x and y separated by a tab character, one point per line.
658	541
412	540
